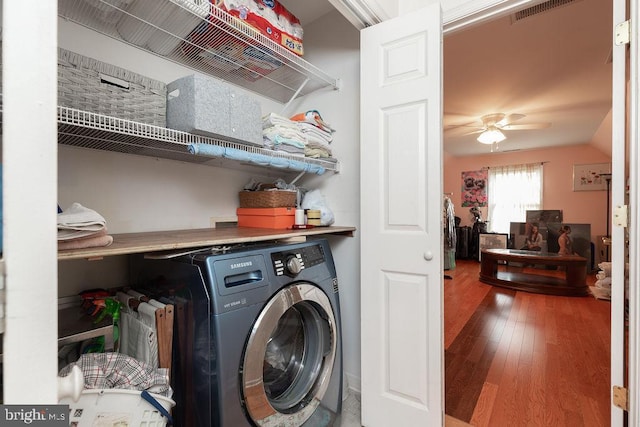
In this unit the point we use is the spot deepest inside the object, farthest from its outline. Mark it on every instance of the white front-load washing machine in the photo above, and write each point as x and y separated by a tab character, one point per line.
260	340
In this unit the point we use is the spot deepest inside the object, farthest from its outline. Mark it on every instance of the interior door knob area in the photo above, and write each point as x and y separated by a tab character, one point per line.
428	255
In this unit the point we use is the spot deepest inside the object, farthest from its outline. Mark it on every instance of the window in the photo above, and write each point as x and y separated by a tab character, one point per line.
513	190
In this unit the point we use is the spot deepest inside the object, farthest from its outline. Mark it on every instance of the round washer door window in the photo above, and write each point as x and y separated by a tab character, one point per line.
289	356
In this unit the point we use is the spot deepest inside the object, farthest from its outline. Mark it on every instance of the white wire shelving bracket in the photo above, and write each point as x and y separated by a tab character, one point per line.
195	34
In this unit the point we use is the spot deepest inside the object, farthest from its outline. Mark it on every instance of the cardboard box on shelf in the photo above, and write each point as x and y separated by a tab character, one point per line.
270	18
276	218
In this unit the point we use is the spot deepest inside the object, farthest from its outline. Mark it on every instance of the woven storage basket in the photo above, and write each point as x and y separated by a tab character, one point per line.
90	85
268	199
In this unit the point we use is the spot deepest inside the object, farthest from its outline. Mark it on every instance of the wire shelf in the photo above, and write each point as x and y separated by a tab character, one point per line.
89	130
204	38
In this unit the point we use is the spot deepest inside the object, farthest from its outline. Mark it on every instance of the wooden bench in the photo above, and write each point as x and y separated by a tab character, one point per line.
573	284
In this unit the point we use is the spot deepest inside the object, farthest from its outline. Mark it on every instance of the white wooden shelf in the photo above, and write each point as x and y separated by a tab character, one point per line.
216	51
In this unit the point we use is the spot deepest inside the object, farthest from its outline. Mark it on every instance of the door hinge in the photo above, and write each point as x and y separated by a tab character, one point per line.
621	397
620	216
623	33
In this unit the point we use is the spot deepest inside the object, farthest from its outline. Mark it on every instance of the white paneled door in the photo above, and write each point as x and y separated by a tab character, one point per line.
401	230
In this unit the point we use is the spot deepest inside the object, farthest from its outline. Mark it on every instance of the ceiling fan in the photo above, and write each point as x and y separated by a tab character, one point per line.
493	125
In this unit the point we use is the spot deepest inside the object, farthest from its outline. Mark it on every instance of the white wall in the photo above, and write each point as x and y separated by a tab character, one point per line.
136	193
333	45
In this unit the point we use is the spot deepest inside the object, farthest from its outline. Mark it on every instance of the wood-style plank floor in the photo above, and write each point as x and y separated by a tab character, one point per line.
521	359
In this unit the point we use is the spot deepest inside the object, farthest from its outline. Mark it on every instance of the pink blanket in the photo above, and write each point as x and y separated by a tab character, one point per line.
97	240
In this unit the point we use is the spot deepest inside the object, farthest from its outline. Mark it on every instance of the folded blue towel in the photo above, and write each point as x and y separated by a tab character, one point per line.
235	154
299	166
211	150
260	159
206	150
317	169
278	162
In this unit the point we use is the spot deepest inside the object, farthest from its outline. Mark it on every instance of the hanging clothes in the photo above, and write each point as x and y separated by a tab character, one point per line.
448	219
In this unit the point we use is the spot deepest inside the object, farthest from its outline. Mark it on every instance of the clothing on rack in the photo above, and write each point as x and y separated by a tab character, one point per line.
146	329
448	219
449	222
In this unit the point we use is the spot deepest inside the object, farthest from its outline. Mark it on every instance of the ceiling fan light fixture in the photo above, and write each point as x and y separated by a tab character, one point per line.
491	136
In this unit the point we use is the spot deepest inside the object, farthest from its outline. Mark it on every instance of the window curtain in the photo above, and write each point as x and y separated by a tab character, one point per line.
513	190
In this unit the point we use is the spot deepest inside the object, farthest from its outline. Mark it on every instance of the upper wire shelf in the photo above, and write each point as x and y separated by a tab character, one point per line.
205	38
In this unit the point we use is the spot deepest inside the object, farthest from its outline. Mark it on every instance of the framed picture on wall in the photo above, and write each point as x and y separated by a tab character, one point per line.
589	177
491	241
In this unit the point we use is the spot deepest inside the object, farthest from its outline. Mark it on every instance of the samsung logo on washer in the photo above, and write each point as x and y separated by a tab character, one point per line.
241	264
231	304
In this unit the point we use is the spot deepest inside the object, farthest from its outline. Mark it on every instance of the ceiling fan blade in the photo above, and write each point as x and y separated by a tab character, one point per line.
462	127
527	126
507	120
474	132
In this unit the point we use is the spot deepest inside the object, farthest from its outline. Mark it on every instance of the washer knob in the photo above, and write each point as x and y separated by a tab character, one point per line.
293	265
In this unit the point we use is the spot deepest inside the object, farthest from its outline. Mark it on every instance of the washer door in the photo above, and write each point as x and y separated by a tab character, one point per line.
289	357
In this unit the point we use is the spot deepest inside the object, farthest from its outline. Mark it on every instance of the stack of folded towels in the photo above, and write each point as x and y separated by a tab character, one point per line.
305	134
603	281
80	227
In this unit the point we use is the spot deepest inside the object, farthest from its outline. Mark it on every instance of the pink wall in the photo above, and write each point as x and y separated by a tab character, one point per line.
578	207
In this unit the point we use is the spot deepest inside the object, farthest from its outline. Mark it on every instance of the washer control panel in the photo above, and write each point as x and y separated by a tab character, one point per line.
291	263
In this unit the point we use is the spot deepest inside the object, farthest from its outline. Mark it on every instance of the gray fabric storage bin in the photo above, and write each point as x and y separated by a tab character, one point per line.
91	85
97	87
205	106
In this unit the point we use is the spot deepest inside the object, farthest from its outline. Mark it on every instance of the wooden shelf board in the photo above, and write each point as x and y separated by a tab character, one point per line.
155	241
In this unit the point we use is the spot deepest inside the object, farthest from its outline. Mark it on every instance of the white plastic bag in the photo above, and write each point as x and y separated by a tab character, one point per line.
315	200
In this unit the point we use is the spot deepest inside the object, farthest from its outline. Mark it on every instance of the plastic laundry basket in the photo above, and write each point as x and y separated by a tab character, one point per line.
115	407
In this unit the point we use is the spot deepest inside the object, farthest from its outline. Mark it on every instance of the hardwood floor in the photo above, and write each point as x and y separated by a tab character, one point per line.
521	359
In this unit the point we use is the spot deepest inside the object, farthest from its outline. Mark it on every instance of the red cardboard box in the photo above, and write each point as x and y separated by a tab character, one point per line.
276	218
269	17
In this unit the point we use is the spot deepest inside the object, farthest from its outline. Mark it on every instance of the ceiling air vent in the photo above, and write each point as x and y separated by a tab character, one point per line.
540	8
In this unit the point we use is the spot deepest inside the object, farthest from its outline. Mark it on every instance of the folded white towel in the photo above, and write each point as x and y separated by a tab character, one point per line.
77	216
604	283
289	133
318	133
78	221
273	119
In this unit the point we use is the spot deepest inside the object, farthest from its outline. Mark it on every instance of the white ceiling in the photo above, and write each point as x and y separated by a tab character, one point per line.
307	11
552	67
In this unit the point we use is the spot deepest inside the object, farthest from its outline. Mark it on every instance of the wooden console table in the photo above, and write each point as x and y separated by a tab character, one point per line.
573	284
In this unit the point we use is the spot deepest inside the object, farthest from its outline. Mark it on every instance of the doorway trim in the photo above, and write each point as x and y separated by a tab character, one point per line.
467	13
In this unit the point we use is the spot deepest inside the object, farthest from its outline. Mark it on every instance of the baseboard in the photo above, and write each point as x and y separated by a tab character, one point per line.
352	383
